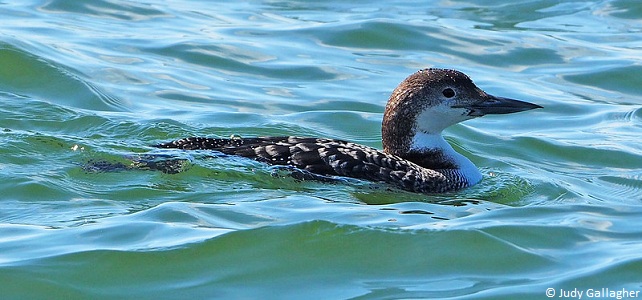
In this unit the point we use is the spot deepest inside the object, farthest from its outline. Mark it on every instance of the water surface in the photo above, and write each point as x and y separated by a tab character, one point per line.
559	206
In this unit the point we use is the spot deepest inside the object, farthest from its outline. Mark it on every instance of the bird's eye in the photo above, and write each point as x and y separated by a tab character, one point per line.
448	93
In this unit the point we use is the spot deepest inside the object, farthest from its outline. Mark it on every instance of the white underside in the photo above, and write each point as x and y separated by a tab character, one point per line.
424	141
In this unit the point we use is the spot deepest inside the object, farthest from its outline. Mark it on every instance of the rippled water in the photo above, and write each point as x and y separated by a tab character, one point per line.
80	81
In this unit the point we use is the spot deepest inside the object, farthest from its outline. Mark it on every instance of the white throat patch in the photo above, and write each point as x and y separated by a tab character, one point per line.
437	118
435	142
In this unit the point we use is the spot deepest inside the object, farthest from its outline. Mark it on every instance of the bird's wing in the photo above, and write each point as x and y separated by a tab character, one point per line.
325	157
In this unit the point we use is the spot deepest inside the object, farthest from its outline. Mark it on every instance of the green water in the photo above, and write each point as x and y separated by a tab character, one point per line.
559	206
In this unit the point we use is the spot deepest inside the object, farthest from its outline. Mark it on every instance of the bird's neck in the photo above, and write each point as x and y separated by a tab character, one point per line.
430	150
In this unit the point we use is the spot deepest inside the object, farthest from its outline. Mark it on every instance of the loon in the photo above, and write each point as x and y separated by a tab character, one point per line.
415	155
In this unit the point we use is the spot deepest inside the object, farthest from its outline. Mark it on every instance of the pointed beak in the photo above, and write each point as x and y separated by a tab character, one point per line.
497	105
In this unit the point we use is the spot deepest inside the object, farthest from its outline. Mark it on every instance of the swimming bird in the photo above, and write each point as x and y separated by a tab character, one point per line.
415	155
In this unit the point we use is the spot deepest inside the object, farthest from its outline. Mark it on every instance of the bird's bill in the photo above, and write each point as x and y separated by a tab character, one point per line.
498	105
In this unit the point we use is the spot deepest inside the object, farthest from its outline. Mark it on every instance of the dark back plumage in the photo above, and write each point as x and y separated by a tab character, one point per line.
325	157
